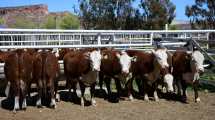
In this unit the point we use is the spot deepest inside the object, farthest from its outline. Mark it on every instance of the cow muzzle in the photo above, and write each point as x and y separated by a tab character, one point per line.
168	79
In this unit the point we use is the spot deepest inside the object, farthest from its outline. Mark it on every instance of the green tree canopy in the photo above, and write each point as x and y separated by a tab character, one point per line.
1	21
106	14
21	21
157	13
202	14
69	21
121	14
50	22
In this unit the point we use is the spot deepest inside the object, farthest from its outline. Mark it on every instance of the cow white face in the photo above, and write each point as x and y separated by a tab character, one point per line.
95	57
198	60
56	52
168	79
125	61
161	56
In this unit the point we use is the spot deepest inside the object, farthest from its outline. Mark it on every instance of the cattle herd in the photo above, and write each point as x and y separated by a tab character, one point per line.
172	70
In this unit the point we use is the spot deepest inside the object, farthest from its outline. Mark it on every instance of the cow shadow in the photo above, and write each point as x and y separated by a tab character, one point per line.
72	98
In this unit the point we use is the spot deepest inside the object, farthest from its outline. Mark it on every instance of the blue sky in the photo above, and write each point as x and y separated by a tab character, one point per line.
62	5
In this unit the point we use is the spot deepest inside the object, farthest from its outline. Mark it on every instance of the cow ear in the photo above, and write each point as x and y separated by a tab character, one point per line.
105	56
134	59
153	51
87	55
40	50
118	55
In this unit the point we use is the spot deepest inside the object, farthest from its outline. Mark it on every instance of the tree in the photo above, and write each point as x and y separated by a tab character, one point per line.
50	22
2	21
69	21
23	22
121	14
157	13
202	14
107	14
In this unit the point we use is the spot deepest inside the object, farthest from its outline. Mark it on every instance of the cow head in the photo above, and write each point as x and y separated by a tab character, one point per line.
125	61
162	57
95	57
197	64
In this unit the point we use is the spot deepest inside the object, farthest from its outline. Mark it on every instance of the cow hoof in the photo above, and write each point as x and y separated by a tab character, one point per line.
93	102
131	98
53	103
39	106
156	99
57	98
146	98
82	102
184	99
24	108
14	111
53	106
198	100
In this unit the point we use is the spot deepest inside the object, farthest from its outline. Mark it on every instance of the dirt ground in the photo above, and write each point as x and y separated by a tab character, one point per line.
124	110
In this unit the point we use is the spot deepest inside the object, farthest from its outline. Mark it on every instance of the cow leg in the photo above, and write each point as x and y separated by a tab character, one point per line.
92	92
184	94
155	86
57	96
82	86
17	96
24	93
7	90
146	97
129	86
74	84
107	83
101	79
196	87
140	86
118	87
40	92
179	87
52	91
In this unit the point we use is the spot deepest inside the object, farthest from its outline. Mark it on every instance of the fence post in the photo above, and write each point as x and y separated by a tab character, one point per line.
99	38
59	39
208	40
151	37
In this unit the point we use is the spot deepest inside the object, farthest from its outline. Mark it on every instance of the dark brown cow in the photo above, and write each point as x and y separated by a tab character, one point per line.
114	65
82	66
46	70
147	68
186	70
63	52
18	72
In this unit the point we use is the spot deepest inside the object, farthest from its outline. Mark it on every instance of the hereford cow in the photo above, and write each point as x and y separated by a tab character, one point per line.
149	67
186	70
18	72
46	70
114	65
82	66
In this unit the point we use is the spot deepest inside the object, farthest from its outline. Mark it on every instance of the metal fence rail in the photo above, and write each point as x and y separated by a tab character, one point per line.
42	38
119	39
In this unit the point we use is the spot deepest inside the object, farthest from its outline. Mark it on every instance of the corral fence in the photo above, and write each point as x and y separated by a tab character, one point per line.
119	39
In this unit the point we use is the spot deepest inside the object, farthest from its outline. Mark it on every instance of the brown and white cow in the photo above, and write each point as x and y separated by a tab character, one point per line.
18	72
114	65
186	70
82	67
148	67
46	70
